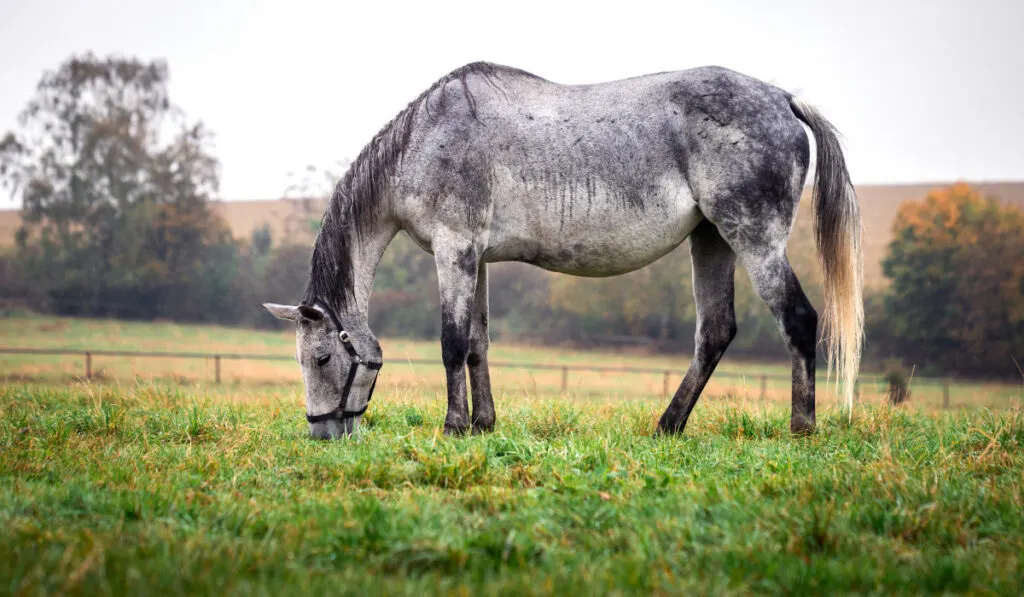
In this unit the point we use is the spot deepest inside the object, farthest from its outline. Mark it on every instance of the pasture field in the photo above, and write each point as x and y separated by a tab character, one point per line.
159	488
35	331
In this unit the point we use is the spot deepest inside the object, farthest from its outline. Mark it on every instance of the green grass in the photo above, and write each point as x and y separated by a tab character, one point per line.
158	489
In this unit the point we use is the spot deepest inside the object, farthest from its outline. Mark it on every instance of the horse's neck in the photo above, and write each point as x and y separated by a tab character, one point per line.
367	250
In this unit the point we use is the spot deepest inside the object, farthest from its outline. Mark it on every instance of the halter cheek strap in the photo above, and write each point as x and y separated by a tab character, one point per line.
340	412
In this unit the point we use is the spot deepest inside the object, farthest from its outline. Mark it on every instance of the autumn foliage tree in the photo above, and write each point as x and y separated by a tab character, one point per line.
956	265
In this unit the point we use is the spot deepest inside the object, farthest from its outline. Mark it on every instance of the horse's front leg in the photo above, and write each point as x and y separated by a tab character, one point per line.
457	266
479	375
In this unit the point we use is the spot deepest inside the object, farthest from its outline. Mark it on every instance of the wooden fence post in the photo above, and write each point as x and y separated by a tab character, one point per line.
764	386
665	384
565	378
88	365
945	394
216	367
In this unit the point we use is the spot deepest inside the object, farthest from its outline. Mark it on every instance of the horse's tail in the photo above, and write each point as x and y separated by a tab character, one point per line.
837	233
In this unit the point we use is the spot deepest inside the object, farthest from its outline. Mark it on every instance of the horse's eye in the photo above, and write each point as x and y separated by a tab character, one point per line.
321	361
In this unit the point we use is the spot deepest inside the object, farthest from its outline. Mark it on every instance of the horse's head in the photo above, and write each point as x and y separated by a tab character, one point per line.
339	367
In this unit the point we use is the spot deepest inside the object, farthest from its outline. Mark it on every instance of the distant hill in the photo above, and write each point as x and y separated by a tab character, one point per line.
288	218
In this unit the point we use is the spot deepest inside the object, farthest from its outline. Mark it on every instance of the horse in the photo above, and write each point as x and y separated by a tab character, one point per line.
492	163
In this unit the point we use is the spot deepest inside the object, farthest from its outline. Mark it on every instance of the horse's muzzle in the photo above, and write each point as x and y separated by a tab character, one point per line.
334	428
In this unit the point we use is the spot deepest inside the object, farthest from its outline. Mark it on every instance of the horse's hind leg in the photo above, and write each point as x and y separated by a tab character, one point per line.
758	232
479	375
778	286
714	264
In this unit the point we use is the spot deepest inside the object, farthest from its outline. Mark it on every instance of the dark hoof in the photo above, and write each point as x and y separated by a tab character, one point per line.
665	429
483	423
455	428
801	427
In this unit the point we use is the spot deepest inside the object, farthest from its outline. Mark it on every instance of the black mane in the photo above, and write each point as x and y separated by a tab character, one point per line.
355	205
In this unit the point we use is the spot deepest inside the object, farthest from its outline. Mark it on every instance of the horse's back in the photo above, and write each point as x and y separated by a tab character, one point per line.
592	179
624	133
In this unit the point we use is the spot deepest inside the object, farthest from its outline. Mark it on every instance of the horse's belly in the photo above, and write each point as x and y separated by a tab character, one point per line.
592	234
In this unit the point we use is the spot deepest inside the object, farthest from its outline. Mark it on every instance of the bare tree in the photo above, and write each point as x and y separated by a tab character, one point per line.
309	190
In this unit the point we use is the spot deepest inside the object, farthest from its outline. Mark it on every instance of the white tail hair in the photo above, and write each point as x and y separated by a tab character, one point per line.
837	233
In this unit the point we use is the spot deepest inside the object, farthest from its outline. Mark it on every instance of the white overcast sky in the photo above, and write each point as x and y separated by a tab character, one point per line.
922	90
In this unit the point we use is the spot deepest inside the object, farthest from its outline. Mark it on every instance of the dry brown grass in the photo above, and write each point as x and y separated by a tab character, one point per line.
734	379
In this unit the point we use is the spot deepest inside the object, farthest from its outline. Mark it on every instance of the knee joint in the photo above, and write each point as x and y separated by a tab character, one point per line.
717	335
731	333
454	347
477	350
454	353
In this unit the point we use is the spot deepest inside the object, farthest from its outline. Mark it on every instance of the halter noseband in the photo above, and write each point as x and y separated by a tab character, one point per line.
340	413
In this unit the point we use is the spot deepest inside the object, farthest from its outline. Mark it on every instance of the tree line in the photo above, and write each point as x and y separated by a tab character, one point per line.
116	184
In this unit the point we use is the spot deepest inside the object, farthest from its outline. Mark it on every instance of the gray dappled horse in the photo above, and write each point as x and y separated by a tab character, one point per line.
492	163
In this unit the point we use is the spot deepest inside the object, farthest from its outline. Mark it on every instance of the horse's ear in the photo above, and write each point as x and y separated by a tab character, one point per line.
289	312
310	313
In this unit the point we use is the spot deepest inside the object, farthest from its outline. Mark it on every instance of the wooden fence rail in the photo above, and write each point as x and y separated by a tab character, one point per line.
88	354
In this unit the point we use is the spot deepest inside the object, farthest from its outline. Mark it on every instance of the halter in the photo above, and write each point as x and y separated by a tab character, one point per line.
340	413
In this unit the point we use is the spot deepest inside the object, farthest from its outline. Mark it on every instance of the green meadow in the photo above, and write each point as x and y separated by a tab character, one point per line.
151	479
164	489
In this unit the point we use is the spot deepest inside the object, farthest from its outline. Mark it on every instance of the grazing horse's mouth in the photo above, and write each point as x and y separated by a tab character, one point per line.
334	428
